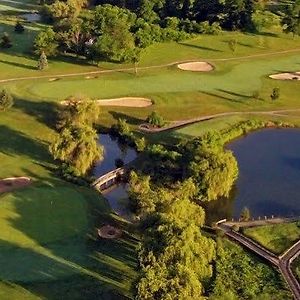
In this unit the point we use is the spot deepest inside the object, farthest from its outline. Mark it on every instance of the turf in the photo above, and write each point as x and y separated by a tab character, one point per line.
276	238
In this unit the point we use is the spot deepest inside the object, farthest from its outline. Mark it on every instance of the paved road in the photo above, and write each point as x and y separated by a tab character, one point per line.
283	262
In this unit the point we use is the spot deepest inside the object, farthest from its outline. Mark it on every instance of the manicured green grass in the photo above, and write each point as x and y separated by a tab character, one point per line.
276	238
48	229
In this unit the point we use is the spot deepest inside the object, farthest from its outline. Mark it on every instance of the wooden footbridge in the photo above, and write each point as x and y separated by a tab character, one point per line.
107	180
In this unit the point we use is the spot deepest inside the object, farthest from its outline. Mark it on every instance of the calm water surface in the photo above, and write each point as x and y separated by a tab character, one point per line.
269	173
112	151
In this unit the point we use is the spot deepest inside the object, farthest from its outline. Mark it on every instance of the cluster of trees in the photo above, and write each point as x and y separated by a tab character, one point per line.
76	144
240	276
175	257
213	168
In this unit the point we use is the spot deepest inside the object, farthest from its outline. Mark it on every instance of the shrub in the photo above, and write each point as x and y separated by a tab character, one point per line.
232	44
275	93
6	100
140	144
5	41
42	62
19	28
155	119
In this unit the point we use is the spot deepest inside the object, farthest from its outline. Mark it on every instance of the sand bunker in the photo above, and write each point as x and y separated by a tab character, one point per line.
125	101
197	66
109	232
13	183
286	76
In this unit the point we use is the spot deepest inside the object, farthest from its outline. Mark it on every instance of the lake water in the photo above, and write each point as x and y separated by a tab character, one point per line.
269	177
112	151
269	173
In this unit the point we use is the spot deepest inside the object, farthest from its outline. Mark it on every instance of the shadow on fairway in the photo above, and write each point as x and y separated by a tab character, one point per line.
199	47
44	112
130	119
74	264
15	143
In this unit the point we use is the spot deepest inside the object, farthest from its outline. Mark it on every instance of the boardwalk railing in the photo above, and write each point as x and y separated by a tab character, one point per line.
109	179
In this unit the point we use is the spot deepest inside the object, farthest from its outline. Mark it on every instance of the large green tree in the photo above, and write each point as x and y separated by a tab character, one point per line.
76	144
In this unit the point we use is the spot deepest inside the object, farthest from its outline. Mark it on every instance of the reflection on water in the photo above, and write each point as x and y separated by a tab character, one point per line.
117	195
118	199
269	173
112	150
31	17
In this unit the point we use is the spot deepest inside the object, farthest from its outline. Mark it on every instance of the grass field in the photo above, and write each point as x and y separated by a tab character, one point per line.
47	232
276	238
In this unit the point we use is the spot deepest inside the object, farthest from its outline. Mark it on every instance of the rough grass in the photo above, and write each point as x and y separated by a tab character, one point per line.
276	238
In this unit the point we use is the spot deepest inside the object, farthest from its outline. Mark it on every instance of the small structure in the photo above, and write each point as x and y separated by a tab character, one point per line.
109	232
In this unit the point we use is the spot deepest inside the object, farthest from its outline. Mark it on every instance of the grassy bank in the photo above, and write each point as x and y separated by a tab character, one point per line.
276	238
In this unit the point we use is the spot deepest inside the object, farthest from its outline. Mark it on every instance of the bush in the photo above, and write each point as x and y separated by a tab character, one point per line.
19	28
275	93
155	119
5	41
6	100
140	144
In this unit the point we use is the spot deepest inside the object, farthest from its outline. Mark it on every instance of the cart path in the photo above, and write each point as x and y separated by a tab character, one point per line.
178	124
147	67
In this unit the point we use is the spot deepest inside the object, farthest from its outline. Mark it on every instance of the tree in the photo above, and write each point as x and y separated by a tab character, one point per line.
78	110
42	62
155	119
245	214
291	19
77	142
113	26
264	19
5	41
19	28
77	147
232	44
46	42
6	100
275	94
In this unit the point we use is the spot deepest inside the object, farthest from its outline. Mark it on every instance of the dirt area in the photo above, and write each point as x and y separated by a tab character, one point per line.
109	232
286	76
197	66
13	183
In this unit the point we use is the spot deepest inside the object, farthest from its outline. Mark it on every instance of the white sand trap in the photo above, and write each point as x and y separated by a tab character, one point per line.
286	76
125	102
197	66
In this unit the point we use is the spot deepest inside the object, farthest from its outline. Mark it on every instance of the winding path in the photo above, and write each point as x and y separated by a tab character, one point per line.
177	124
148	67
283	262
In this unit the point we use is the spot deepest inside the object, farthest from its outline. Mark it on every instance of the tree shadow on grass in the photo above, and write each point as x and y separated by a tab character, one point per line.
15	64
14	143
43	111
199	47
235	94
130	119
76	266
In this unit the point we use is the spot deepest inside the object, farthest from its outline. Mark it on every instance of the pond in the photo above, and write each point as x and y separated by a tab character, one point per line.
269	173
31	17
112	150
